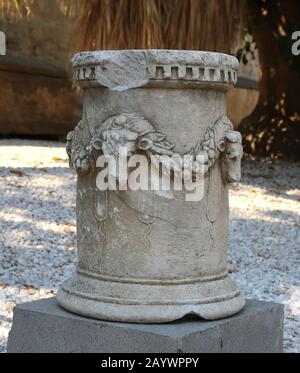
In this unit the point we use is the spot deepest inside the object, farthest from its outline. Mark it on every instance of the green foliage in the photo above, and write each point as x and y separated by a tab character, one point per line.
247	52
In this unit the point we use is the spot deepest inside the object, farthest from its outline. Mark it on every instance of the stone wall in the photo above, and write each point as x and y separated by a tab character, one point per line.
42	36
36	93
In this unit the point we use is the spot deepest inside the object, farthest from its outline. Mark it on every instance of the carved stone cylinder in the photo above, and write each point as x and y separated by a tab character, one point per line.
152	256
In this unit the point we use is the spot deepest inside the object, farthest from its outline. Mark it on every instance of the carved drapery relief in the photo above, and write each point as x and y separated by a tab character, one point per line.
138	134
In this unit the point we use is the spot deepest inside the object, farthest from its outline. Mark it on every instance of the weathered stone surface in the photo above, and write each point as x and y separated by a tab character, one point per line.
43	326
150	256
34	103
41	36
35	90
122	70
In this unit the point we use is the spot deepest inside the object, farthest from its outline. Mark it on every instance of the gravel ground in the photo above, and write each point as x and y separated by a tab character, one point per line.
37	230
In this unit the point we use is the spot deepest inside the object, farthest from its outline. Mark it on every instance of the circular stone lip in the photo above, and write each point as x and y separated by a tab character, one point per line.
126	69
159	56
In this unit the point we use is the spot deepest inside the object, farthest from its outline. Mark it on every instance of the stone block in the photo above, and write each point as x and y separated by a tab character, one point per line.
43	326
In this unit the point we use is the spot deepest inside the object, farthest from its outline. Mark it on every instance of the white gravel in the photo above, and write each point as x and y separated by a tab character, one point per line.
37	230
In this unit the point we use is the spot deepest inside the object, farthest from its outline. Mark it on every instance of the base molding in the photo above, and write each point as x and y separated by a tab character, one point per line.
149	303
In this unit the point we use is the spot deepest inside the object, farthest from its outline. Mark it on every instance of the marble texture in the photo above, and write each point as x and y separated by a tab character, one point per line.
144	256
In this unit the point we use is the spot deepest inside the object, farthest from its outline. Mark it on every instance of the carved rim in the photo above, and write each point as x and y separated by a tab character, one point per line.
154	66
208	300
165	281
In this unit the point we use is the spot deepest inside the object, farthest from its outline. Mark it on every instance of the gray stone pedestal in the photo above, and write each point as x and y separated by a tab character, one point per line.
43	326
